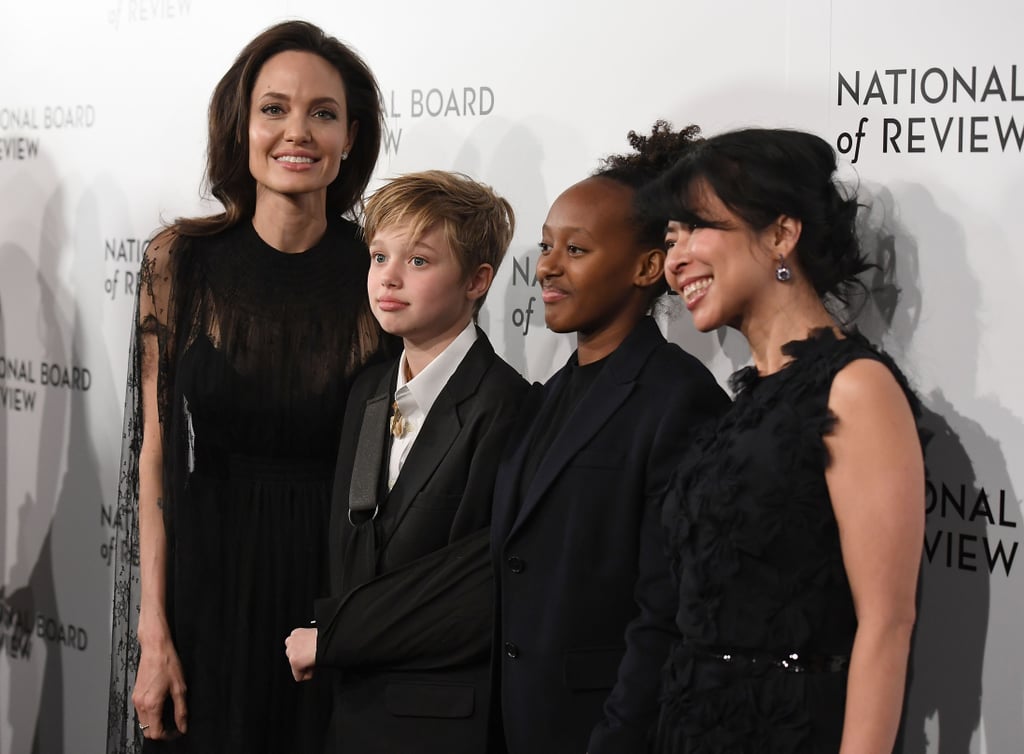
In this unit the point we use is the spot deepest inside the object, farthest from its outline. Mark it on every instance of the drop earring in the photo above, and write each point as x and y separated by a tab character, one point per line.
782	272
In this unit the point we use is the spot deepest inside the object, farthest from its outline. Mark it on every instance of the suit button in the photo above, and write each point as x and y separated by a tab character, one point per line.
511	650
516	565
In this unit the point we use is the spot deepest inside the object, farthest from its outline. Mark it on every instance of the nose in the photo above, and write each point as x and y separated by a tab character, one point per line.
549	264
677	257
297	128
388	274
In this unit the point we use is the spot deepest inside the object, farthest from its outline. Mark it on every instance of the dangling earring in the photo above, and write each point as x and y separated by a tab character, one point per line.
782	272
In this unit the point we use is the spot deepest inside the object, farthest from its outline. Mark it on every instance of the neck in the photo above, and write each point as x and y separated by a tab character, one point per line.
290	224
790	317
591	347
419	352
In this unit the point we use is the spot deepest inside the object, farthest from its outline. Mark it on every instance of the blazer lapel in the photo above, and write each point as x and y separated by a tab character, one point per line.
609	391
439	431
597	406
508	480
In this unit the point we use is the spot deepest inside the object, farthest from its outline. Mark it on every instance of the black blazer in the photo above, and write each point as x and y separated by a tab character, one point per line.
407	637
585	602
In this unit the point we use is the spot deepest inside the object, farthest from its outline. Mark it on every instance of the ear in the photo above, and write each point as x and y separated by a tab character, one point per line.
784	234
479	282
650	268
353	129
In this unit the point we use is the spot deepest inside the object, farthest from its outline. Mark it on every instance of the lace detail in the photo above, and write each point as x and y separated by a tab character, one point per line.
261	347
122	737
755	554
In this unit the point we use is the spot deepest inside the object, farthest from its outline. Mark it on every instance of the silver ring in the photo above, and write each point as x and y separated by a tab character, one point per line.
142	727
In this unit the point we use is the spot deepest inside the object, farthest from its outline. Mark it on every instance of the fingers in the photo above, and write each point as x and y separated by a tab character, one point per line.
180	709
300	649
300	674
148	705
159	682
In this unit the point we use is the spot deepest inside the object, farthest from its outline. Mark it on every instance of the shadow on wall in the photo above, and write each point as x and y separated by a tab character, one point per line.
4	478
523	310
57	585
515	169
33	590
968	617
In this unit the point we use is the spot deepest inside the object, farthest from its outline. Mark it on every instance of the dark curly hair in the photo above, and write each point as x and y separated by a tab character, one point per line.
651	156
760	174
227	162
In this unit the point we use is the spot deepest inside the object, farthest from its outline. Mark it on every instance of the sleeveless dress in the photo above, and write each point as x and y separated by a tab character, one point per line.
765	609
257	348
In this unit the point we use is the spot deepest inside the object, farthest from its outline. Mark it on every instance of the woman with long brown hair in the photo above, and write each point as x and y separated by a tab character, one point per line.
250	324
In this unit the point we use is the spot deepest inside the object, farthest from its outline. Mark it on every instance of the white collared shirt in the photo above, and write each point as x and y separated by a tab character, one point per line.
416	397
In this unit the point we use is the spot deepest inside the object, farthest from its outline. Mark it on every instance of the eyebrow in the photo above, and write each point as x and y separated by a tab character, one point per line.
315	101
421	244
570	229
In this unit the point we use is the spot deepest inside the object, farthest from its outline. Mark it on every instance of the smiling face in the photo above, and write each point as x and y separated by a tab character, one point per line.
417	288
298	125
594	274
722	270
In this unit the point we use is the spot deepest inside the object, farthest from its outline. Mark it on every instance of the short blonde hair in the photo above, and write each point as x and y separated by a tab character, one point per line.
476	222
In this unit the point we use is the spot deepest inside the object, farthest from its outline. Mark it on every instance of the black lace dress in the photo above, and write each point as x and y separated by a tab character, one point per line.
255	350
755	552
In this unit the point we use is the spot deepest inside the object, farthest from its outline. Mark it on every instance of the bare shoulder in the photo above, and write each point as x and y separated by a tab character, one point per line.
874	419
866	384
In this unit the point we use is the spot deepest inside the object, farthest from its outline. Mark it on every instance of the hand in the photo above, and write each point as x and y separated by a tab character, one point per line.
159	675
300	647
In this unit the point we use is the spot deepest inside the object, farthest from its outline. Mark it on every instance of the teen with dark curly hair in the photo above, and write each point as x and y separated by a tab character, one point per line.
585	604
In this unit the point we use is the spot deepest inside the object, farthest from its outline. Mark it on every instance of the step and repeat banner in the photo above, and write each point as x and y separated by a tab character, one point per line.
102	138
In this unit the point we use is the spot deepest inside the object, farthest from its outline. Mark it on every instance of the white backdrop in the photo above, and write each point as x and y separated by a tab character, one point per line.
102	131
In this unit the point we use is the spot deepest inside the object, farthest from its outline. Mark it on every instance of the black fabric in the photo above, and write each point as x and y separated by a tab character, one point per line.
757	563
365	486
580	557
405	641
255	350
550	423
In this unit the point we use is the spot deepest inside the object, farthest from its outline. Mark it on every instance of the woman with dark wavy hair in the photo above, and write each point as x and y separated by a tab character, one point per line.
250	324
796	521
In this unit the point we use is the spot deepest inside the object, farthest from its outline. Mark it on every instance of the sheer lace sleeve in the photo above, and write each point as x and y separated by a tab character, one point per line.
149	351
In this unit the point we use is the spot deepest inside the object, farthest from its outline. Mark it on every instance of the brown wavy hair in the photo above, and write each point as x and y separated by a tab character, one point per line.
227	158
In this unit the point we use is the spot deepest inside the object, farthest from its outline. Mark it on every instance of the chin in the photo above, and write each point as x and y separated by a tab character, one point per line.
706	326
554	326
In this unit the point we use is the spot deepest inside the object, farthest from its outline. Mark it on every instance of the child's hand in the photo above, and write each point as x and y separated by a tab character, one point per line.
300	648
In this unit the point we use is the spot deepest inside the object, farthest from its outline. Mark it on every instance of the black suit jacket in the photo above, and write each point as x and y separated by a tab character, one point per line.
407	638
585	601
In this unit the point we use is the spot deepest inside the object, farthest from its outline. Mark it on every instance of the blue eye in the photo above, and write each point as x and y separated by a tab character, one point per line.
377	257
418	261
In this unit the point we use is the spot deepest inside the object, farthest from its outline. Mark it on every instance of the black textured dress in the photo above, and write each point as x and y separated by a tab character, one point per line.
256	350
765	608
